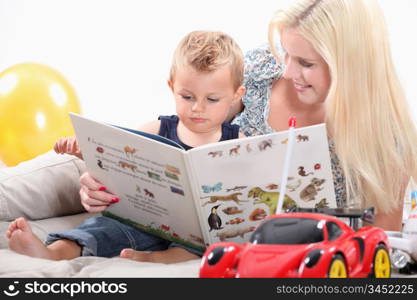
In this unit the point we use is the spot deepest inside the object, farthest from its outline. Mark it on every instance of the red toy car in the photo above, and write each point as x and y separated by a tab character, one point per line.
300	244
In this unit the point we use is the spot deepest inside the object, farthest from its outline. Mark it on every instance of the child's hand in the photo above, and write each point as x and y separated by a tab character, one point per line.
68	145
94	196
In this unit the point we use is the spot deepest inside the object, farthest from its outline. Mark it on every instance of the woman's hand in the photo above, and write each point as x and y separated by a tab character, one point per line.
94	196
68	145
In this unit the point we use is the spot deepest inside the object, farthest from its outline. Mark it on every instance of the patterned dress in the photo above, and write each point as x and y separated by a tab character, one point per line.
261	70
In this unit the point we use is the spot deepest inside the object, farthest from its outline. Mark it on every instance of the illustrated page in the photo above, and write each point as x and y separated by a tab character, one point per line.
239	180
149	177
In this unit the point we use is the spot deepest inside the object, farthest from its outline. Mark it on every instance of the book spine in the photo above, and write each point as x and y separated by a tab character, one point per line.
196	197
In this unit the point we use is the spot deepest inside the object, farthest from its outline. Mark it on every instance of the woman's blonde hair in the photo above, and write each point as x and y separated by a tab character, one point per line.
366	110
207	51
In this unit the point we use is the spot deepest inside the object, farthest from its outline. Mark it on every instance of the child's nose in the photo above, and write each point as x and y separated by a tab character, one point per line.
198	106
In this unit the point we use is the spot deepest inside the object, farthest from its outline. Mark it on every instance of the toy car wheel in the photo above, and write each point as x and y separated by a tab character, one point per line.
381	267
406	269
337	267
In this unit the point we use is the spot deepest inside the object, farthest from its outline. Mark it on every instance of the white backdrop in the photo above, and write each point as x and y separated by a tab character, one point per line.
117	53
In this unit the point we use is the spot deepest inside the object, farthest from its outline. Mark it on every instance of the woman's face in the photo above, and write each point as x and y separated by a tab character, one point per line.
305	68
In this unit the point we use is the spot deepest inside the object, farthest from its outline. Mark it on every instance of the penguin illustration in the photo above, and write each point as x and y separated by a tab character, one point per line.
214	220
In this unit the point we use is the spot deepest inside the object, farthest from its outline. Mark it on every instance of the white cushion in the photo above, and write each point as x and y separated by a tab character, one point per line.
44	187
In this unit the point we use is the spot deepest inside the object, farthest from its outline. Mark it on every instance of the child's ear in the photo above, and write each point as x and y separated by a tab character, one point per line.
170	84
240	92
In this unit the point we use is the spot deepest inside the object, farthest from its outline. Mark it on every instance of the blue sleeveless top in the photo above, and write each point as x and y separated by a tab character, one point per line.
169	124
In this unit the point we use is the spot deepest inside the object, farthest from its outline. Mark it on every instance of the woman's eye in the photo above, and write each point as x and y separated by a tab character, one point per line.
306	64
212	99
186	97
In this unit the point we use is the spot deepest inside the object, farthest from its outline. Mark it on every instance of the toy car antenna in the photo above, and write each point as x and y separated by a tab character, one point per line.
291	134
366	215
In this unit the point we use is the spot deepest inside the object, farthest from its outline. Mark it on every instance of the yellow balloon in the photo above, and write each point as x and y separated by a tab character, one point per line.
34	104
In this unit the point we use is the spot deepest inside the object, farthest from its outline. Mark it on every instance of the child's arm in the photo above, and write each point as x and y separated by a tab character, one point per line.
68	145
151	127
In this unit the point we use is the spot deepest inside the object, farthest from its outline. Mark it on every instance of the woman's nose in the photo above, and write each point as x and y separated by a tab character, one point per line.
291	70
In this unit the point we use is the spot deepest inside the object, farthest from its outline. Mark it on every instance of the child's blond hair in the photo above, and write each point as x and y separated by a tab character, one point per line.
207	51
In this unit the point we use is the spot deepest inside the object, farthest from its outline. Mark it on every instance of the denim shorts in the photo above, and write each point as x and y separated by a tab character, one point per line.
106	237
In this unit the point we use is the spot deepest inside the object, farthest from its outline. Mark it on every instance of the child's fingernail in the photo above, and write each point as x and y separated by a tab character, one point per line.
114	200
102	188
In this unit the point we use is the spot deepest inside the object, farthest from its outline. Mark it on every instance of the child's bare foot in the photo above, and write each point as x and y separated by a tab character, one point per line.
135	255
169	256
23	241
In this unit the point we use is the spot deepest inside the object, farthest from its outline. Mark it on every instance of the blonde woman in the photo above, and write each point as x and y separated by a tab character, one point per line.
334	65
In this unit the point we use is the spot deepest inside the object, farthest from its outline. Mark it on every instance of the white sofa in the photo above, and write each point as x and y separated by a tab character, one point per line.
45	190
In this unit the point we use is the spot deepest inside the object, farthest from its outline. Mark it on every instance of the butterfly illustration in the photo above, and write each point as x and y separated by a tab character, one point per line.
207	189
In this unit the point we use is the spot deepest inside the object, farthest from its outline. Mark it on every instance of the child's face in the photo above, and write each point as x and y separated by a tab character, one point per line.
203	100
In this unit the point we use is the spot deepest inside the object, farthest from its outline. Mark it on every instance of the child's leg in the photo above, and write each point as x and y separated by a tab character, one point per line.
24	241
169	256
106	237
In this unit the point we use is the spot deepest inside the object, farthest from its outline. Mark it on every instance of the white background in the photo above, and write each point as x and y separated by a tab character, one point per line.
117	53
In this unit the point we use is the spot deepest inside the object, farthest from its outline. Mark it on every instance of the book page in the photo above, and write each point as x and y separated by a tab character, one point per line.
150	178
239	181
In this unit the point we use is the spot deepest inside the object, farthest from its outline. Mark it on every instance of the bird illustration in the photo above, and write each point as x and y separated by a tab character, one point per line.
214	220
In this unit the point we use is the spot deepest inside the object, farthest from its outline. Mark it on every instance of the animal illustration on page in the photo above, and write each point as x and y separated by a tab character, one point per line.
322	204
270	199
303	172
129	151
127	165
310	192
302	138
231	197
234	150
237	188
149	193
235	221
292	186
214	220
232	210
265	144
215	153
257	214
208	189
227	234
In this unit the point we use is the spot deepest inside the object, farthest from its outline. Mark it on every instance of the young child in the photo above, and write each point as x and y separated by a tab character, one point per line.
206	80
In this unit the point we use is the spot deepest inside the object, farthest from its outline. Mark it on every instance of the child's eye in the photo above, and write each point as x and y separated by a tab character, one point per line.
212	99
186	97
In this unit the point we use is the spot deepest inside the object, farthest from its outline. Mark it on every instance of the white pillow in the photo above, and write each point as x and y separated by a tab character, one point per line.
44	187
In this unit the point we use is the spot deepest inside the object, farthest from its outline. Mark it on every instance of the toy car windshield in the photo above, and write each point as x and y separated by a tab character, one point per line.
288	231
366	215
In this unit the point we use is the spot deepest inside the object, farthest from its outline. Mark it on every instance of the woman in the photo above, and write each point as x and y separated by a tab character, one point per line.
337	68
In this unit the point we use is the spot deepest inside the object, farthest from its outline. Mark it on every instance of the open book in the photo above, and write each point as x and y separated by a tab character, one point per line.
216	192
